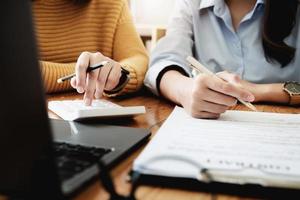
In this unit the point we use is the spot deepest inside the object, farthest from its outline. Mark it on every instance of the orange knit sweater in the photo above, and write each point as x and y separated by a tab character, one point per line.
65	29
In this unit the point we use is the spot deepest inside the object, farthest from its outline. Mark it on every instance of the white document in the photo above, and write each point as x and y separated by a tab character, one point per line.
240	147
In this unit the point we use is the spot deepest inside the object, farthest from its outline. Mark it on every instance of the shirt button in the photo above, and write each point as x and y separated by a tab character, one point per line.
238	45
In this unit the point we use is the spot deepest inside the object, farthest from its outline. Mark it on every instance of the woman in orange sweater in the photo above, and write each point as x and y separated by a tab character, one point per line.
68	28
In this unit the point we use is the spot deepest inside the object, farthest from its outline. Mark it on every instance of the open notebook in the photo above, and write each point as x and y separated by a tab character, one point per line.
240	147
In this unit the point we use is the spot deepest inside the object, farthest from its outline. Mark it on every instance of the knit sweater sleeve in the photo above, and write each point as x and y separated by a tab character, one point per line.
52	71
129	51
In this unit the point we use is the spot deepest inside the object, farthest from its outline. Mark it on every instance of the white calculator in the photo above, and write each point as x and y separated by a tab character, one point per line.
74	110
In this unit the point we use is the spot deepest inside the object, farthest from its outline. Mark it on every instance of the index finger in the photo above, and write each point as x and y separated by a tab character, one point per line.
229	89
80	70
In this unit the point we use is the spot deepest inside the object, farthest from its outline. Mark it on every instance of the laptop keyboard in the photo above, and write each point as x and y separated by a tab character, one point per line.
72	159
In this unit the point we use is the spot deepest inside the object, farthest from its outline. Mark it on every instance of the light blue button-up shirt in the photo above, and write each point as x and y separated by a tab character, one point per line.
203	28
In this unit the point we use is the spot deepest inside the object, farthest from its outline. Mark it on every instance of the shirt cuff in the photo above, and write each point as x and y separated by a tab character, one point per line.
154	71
168	68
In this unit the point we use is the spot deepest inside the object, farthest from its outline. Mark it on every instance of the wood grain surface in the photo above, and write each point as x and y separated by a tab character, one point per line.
157	110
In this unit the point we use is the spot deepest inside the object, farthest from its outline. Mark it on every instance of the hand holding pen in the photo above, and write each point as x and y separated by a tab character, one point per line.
89	69
95	73
204	96
225	89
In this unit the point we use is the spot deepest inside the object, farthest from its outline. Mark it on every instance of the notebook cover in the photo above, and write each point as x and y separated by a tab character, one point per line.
246	190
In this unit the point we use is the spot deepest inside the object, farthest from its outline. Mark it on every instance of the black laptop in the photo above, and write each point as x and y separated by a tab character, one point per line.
42	158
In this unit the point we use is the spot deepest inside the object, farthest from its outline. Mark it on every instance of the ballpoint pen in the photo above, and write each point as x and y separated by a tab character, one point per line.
199	67
89	69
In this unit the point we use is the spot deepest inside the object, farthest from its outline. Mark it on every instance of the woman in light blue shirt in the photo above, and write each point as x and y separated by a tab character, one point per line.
249	42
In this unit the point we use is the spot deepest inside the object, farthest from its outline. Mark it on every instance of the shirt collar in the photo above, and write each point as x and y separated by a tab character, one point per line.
211	3
259	2
207	4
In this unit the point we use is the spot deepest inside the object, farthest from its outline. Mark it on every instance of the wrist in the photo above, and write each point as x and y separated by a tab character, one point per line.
184	93
171	86
124	79
261	91
271	93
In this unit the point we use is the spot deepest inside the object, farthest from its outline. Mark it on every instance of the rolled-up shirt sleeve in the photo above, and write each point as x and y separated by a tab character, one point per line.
172	49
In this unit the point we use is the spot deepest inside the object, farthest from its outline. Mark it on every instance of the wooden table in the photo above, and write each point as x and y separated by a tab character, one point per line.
157	111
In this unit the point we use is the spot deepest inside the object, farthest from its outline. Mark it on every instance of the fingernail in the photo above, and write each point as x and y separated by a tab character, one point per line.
250	98
80	90
97	95
88	101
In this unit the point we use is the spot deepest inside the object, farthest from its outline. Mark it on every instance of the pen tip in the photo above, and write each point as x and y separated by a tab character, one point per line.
253	108
59	81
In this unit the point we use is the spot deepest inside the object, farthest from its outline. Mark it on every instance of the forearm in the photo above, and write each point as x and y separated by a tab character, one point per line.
271	93
129	51
172	86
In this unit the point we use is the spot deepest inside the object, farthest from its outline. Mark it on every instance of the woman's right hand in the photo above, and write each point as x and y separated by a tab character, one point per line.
207	96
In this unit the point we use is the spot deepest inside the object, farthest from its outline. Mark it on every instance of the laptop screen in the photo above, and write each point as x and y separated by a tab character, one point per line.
27	166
